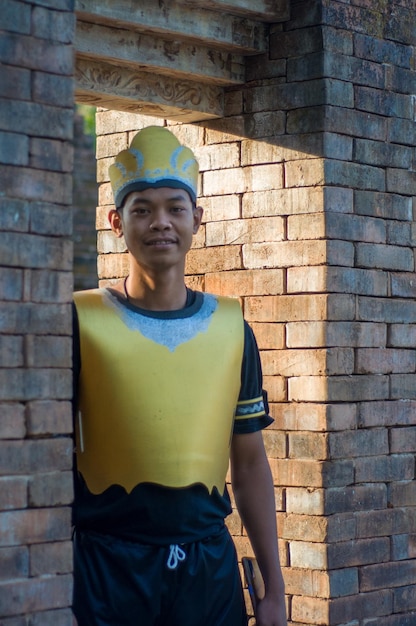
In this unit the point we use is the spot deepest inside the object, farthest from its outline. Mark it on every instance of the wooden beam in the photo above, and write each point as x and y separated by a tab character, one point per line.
171	58
106	85
262	10
170	19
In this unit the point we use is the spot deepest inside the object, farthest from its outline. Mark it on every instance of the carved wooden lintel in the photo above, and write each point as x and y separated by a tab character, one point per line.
103	84
164	56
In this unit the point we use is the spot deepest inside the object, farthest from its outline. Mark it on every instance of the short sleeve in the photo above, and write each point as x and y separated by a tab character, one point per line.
252	411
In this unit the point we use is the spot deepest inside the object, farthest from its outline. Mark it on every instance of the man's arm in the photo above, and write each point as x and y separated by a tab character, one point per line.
254	494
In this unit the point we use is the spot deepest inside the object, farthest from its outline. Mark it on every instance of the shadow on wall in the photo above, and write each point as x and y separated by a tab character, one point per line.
85	200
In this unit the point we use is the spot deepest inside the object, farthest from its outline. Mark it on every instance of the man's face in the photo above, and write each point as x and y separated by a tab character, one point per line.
158	225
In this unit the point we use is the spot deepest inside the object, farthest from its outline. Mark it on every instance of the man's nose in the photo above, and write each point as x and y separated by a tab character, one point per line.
160	220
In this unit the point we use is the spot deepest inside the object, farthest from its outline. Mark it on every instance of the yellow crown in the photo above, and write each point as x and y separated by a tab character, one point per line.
155	159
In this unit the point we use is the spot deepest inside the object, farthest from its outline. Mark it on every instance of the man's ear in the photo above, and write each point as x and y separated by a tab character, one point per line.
198	213
115	222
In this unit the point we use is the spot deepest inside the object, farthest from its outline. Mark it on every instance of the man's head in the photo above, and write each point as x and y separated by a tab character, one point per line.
155	159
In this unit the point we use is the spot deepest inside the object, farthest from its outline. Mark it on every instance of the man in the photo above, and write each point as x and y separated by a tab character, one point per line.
170	390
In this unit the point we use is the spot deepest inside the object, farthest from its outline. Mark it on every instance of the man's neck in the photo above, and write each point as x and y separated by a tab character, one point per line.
155	293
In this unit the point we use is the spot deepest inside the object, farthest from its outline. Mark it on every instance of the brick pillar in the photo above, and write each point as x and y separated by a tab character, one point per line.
36	126
307	184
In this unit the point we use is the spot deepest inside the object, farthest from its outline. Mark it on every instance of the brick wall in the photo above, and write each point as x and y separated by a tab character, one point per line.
84	203
36	127
307	185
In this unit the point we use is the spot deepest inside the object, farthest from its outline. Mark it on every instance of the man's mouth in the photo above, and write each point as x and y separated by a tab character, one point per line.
161	242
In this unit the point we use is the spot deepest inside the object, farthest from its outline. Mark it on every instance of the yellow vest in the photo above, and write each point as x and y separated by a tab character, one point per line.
148	413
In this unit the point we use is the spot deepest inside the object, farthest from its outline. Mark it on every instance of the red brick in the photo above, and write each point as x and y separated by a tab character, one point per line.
51	558
275	444
355	498
296	473
35	384
385	522
38	185
276	391
15	80
310	610
11	351
282	201
393	413
58	25
245	283
285	308
403	386
58	617
224	129
214	259
49	219
234	524
19	318
359	443
218	157
342	527
297	253
14	149
12	421
405	599
310	555
11	283
14	215
15	621
351	334
37	594
47	417
302	582
42	455
218	208
244	231
304	528
388	468
113	265
13	492
268	335
53	287
332	361
398	574
35	526
14	563
44	351
303	445
363	604
35	251
111	145
338	388
51	489
402	493
48	154
359	552
35	53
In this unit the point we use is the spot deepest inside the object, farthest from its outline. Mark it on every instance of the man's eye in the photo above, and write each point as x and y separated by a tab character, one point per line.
177	209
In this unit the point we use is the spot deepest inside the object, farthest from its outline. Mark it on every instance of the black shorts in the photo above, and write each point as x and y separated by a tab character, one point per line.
121	583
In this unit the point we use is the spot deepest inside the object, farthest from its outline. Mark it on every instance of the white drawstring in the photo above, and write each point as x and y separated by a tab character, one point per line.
176	554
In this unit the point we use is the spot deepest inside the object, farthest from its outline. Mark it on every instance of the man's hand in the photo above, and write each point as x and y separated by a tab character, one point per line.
254	494
270	613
